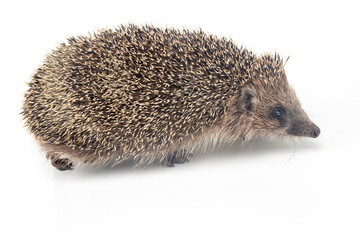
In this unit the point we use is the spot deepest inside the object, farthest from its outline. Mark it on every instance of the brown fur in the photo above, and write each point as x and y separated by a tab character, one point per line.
153	95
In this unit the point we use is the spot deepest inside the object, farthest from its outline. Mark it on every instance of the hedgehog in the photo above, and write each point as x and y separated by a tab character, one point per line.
148	96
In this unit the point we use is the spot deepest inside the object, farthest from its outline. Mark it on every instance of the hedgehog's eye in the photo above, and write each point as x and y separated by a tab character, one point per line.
278	112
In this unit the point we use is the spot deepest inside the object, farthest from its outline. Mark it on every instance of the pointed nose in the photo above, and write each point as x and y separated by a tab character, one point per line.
315	132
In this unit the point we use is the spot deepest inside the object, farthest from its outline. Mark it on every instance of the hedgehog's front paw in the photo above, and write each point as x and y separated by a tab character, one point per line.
179	160
176	159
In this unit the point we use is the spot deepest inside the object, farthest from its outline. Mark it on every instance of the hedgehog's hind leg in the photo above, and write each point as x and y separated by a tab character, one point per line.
178	157
61	163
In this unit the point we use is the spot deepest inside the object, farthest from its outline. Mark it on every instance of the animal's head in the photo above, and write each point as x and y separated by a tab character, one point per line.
272	105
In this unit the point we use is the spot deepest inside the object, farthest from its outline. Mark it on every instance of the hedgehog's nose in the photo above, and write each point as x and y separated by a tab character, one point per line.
315	132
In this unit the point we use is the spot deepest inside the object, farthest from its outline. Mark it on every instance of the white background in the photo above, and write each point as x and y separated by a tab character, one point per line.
276	190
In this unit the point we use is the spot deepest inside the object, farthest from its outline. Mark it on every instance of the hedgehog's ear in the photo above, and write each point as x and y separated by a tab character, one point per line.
246	99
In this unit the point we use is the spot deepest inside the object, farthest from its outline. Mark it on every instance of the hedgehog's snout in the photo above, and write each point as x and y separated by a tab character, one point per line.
315	132
304	129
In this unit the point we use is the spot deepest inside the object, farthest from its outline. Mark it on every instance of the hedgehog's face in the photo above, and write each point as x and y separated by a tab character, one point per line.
275	110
